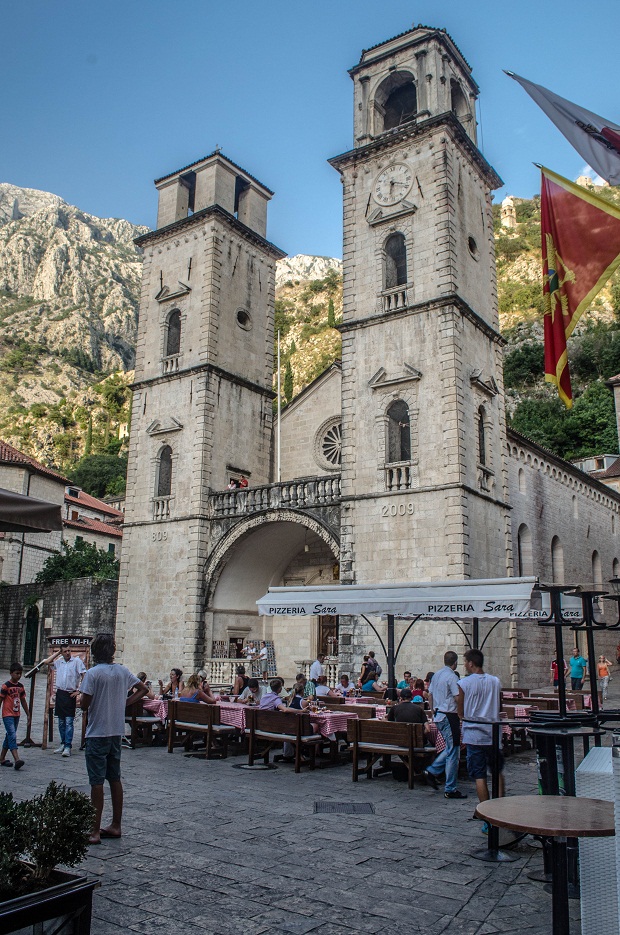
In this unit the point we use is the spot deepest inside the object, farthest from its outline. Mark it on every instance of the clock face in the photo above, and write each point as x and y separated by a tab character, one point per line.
392	184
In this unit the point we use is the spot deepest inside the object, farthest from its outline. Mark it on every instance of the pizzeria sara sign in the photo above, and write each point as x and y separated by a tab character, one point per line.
489	607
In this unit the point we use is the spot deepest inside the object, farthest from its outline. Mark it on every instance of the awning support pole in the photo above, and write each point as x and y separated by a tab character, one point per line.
391	689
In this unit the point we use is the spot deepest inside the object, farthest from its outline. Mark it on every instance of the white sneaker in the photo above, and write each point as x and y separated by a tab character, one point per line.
60	749
66	751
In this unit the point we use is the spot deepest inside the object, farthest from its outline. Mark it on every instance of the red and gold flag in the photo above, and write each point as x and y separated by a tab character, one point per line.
580	251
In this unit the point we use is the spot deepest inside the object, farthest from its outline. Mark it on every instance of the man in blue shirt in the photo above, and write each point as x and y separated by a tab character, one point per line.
404	682
578	670
443	692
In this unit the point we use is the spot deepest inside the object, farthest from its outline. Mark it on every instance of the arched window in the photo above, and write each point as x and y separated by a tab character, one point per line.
615	568
458	101
164	472
597	570
396	101
173	333
482	442
524	551
521	480
575	508
401	106
399	432
557	561
395	261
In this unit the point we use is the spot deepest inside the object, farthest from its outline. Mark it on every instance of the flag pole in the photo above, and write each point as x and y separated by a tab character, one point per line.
278	470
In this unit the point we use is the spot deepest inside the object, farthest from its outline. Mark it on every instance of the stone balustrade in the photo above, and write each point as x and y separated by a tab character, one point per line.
170	364
398	476
331	668
161	508
295	495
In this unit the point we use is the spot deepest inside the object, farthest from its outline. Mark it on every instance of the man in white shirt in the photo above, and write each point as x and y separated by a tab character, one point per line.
443	693
69	673
316	669
479	699
263	658
105	697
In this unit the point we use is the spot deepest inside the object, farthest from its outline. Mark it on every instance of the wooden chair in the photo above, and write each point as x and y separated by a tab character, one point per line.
141	726
188	717
373	740
276	728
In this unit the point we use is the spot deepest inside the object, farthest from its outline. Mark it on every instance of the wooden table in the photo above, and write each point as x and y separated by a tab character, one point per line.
557	817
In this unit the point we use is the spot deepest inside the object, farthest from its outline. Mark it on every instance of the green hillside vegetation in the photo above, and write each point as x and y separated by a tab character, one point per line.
306	315
593	350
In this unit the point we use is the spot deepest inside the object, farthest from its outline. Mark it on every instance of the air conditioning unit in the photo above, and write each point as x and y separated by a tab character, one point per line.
596	778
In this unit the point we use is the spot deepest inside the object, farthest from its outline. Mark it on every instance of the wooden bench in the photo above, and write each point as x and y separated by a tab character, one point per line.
278	727
383	739
363	711
140	725
189	717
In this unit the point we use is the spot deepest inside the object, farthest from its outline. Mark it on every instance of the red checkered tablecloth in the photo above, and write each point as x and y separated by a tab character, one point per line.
157	707
232	714
332	721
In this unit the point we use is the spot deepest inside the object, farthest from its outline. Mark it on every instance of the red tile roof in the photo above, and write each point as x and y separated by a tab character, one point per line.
92	503
10	455
93	525
612	471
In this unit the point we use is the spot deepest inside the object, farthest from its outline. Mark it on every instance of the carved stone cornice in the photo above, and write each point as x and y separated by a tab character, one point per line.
380	379
489	387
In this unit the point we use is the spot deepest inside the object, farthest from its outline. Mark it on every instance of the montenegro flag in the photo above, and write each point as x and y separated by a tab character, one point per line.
580	251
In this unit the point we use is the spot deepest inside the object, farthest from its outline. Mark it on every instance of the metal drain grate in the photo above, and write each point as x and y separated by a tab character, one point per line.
344	808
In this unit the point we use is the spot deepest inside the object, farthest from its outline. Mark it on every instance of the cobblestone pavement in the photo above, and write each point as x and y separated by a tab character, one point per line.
233	851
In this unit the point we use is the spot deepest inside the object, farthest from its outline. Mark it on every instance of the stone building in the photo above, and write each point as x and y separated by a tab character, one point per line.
396	464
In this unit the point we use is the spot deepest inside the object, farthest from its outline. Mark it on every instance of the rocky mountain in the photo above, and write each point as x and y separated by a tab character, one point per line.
302	268
69	293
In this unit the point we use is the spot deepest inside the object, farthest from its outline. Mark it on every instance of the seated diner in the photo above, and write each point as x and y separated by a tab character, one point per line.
193	691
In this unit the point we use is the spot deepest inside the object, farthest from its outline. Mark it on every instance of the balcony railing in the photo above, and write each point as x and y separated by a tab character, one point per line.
395	299
170	364
294	495
398	476
161	507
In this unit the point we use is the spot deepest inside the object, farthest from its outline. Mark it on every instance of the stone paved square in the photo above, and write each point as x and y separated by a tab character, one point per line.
229	850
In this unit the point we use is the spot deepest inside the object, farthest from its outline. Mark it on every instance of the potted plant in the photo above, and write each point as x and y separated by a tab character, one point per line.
36	835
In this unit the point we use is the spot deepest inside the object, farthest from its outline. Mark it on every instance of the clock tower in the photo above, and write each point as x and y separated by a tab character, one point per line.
424	477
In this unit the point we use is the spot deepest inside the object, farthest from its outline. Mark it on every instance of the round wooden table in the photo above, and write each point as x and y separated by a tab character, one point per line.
557	817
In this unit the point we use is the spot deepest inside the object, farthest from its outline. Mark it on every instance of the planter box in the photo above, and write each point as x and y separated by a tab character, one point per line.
64	908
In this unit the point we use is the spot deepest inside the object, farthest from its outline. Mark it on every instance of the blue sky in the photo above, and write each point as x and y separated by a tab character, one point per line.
99	98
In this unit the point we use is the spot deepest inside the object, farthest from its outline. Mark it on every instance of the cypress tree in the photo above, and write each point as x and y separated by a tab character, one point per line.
288	382
331	316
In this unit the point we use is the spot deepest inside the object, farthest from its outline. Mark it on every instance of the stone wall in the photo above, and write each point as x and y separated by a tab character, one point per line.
82	607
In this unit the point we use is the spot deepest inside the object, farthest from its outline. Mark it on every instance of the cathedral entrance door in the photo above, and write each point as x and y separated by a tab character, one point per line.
235	648
328	635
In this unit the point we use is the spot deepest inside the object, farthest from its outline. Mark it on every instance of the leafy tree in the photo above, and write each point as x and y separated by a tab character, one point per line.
82	560
100	475
588	428
288	382
331	315
524	365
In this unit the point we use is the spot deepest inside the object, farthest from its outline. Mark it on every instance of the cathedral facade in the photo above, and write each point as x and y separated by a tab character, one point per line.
396	464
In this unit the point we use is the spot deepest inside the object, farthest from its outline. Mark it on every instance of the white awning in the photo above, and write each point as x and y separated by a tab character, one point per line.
491	598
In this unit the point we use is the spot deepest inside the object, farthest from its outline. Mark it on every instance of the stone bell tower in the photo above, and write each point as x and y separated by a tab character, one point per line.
424	480
202	399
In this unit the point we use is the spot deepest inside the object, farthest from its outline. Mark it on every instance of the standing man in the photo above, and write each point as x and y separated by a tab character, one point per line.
578	670
263	658
442	697
479	699
69	674
105	696
316	669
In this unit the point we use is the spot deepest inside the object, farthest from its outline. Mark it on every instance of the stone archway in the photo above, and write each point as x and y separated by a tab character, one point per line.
270	549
